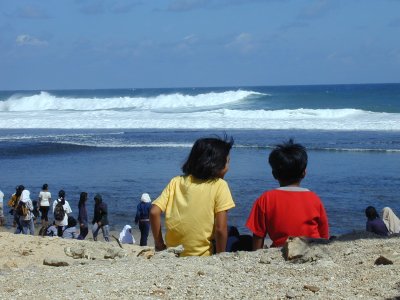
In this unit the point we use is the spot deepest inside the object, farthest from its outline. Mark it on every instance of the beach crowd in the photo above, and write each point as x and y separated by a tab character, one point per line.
196	205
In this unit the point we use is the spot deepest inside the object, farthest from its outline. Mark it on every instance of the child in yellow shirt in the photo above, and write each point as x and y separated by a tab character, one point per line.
195	204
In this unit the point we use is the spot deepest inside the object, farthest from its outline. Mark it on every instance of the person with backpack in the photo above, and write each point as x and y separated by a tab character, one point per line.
24	211
142	217
12	203
100	218
61	209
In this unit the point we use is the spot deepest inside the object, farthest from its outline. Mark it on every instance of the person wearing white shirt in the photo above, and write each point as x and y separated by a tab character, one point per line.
67	209
1	208
44	204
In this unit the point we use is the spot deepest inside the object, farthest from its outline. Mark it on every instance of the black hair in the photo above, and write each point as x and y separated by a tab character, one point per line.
61	195
19	189
208	157
45	186
98	198
288	162
71	222
82	199
371	213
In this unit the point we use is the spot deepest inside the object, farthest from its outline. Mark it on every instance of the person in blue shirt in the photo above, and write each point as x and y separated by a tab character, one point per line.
374	223
142	217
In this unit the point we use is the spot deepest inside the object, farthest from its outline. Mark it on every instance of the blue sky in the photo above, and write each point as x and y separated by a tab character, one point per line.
189	43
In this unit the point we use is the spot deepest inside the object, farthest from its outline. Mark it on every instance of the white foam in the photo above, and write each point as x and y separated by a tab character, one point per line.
45	101
322	119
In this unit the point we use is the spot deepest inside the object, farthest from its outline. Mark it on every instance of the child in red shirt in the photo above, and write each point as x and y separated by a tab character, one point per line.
288	210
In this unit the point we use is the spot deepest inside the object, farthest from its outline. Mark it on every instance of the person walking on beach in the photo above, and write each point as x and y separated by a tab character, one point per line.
61	209
143	218
1	208
374	223
83	217
44	204
24	211
196	203
289	210
100	218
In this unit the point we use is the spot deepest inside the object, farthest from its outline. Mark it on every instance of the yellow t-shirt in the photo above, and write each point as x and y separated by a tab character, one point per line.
190	206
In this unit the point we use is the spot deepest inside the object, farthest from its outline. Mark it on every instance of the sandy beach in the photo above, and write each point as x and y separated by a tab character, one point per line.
346	268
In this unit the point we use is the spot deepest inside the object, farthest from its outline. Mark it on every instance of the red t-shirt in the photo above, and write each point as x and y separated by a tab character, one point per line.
288	212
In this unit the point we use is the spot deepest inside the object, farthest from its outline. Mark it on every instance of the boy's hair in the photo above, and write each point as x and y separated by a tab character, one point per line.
371	213
208	157
288	162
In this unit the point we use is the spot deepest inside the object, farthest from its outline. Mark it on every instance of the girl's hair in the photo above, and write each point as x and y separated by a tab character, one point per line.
371	213
45	186
208	157
82	199
61	195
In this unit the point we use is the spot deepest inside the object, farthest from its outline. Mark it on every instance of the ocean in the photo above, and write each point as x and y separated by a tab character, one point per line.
124	142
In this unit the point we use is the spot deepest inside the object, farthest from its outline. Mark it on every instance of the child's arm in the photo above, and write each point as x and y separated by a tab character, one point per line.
155	221
221	231
258	242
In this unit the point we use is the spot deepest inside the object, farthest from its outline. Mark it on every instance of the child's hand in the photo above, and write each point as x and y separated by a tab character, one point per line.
160	247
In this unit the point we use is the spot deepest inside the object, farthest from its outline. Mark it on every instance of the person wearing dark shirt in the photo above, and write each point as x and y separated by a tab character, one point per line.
83	217
100	219
374	223
142	217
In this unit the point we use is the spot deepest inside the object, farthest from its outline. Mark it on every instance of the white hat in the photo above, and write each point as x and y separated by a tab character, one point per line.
145	198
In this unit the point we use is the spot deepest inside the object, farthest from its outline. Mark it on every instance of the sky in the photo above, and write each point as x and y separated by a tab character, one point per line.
90	44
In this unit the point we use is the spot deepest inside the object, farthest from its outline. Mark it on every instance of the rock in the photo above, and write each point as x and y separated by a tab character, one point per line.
176	250
381	260
55	262
295	247
265	259
146	253
9	265
290	295
311	288
115	253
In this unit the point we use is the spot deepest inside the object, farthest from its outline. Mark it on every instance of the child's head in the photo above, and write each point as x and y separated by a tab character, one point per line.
45	187
371	213
208	158
288	162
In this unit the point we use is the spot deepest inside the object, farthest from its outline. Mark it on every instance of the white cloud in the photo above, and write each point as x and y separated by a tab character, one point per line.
25	39
243	42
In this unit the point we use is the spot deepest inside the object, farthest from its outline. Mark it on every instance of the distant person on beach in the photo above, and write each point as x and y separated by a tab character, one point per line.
374	223
61	209
196	203
100	218
69	232
83	216
125	236
391	221
289	210
44	204
143	218
1	208
12	203
24	211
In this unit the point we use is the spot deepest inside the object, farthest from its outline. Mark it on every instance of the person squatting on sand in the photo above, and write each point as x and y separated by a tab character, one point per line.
44	204
69	232
125	236
1	208
100	218
391	221
61	209
195	204
374	223
83	216
143	218
288	210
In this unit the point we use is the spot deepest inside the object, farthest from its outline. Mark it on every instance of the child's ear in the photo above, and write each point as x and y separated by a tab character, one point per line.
304	173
